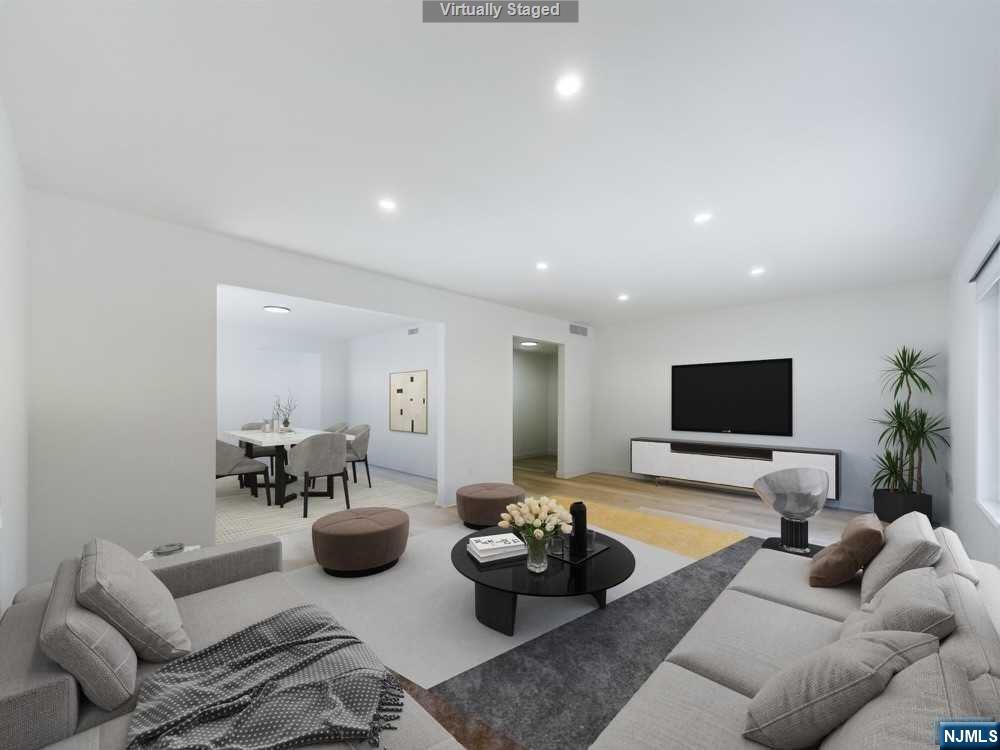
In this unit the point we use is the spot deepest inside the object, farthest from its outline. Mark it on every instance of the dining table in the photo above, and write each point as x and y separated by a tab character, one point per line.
282	441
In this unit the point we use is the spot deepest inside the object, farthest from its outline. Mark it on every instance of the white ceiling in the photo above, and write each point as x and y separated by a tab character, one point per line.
309	326
839	143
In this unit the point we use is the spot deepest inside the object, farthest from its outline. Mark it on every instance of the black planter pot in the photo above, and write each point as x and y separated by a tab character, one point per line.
890	505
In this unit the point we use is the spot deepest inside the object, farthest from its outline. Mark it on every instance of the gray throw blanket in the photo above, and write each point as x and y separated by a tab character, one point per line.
296	678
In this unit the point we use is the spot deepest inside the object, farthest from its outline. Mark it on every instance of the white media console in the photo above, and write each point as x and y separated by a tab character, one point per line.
730	464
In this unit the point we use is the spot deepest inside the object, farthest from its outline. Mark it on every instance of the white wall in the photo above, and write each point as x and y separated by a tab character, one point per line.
979	533
836	341
370	360
535	403
251	375
13	371
123	372
333	384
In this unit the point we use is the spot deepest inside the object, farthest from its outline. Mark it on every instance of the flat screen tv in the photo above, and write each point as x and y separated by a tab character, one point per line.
751	398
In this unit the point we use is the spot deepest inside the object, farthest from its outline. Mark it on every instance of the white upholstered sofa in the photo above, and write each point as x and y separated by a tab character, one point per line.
219	591
768	618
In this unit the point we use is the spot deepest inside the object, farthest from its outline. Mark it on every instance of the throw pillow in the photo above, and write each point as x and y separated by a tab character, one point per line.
119	588
954	558
909	543
840	562
912	601
814	695
86	646
906	715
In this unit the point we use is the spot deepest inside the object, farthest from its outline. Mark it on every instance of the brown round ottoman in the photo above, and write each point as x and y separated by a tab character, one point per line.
360	542
480	505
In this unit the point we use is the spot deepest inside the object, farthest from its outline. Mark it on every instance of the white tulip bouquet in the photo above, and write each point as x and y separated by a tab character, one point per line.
535	520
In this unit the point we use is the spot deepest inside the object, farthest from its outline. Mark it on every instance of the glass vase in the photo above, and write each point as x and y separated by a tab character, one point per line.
538	561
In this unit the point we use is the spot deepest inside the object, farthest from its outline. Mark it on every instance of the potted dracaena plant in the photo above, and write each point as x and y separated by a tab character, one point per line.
908	430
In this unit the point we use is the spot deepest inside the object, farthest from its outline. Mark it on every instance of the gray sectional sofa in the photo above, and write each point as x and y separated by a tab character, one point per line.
768	618
218	591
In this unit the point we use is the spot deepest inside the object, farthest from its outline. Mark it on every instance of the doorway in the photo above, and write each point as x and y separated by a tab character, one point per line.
536	407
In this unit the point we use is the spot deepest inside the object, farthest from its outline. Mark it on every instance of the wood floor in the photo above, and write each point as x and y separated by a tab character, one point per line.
708	506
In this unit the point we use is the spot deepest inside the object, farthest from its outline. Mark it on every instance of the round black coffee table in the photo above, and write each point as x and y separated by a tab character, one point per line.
499	584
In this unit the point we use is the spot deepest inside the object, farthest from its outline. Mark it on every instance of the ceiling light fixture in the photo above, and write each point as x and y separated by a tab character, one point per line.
529	344
542	265
702	218
279	309
387	205
758	271
569	85
623	298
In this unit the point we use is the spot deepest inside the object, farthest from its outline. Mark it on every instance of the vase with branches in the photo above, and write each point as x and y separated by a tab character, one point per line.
908	431
283	410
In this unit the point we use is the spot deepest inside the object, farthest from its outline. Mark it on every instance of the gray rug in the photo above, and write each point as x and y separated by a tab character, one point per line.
561	689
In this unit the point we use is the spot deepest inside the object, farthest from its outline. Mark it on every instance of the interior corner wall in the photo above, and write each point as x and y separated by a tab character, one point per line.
123	350
14	437
836	342
370	360
961	511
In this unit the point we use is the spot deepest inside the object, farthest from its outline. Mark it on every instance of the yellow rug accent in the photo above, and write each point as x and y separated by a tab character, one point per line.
688	539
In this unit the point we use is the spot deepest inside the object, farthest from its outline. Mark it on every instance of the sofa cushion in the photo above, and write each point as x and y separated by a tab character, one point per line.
838	563
741	640
954	558
211	615
905	715
974	644
38	699
986	689
123	591
676	709
912	601
784	579
86	646
813	696
909	543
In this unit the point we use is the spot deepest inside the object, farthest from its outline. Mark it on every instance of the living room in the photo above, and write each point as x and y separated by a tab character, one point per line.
806	188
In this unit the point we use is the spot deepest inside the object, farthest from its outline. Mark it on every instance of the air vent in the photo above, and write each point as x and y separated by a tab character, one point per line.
413	331
578	329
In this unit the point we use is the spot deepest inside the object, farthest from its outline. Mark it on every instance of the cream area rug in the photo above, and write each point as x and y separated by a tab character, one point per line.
239	515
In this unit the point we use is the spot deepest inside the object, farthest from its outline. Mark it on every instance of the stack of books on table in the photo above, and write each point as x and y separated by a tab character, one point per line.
487	549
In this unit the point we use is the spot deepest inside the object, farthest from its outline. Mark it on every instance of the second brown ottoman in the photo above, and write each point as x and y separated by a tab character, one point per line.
480	505
360	542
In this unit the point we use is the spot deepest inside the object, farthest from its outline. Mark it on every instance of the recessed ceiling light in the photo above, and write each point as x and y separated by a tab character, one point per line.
281	310
568	85
542	265
529	344
702	218
387	205
758	271
623	298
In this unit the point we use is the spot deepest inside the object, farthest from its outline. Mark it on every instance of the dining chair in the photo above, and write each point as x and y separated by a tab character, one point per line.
357	450
257	451
230	461
338	427
323	455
